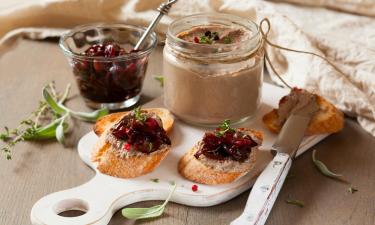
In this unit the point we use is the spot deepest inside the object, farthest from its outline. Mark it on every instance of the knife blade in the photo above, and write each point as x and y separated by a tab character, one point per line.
268	184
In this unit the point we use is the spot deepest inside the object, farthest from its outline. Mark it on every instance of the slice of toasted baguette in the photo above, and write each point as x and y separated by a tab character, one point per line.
109	163
133	166
327	120
198	171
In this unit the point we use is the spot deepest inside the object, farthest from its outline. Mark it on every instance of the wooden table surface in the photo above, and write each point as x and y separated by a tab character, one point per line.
39	168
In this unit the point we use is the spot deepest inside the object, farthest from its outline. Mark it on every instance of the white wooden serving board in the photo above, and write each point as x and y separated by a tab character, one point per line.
103	195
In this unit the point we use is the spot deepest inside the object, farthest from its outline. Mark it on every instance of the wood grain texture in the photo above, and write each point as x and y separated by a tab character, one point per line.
41	168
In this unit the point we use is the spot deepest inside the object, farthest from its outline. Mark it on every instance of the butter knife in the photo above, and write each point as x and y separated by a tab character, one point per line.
268	184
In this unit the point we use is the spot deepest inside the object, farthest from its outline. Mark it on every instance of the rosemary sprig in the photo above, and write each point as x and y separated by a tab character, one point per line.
48	121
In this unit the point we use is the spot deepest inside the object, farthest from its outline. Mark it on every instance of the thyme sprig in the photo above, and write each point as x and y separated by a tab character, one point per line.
223	128
209	38
138	115
49	120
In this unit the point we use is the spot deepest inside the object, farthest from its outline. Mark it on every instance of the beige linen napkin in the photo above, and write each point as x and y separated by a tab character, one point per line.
361	7
347	40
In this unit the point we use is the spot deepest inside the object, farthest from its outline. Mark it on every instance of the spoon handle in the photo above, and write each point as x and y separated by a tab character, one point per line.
163	9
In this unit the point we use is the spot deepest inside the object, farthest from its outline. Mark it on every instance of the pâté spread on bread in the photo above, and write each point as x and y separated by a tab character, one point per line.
132	143
326	119
222	156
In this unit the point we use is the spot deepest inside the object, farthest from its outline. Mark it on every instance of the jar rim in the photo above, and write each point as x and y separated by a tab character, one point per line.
253	40
132	55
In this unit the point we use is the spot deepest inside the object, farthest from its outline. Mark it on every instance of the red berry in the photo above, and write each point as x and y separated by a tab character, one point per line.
98	66
127	146
152	123
110	51
194	187
132	68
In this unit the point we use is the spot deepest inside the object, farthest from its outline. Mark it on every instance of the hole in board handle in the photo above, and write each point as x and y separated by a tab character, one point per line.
71	208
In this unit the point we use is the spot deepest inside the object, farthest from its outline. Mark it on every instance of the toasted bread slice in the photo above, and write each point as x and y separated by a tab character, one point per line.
133	166
197	170
107	121
327	120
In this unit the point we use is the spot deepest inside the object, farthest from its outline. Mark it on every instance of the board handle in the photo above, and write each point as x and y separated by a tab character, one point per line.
95	200
99	198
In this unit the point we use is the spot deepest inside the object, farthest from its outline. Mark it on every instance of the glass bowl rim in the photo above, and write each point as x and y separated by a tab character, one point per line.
132	55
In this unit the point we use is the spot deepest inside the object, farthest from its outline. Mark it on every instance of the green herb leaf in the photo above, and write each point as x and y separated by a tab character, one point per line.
295	202
352	190
27	122
224	127
6	152
160	79
227	40
65	95
143	213
323	168
46	132
138	115
155	180
90	116
56	107
50	110
60	130
205	40
6	135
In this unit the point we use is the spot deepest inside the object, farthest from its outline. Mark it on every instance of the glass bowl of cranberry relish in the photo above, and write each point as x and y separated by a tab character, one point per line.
109	73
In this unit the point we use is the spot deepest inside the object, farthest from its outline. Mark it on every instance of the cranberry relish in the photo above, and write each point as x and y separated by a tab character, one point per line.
223	144
141	133
112	80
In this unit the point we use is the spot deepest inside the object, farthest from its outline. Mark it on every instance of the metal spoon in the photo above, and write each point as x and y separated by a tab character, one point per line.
163	9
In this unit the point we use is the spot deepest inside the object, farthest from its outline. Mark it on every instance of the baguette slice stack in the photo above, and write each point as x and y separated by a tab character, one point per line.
133	166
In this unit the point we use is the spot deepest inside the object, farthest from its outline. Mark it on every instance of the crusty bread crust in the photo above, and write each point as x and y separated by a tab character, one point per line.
133	166
193	169
327	120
